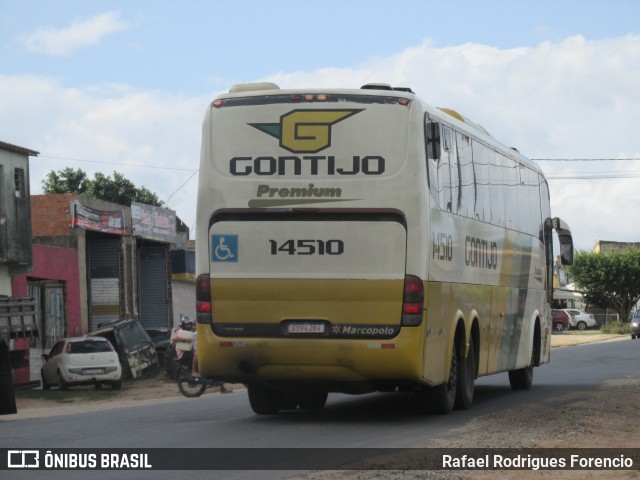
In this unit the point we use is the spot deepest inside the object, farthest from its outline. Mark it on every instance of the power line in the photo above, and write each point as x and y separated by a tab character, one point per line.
560	176
133	165
593	176
590	175
155	167
631	159
180	187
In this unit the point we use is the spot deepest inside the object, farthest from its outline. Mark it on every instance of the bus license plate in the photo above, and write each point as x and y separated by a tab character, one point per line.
306	327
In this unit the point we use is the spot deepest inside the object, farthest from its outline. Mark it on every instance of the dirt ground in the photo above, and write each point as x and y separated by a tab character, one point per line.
159	387
590	418
598	418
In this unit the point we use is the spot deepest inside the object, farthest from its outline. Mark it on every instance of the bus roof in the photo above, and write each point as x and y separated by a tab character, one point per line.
443	114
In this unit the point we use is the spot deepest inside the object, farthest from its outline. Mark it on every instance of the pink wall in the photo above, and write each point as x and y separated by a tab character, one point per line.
56	263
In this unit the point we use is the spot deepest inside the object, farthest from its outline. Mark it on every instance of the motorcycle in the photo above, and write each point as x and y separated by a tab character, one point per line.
180	369
190	386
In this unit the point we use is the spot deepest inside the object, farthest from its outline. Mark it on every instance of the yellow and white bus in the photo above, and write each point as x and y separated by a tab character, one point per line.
359	240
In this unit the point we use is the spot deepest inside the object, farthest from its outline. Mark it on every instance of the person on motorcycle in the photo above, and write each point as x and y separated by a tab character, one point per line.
186	344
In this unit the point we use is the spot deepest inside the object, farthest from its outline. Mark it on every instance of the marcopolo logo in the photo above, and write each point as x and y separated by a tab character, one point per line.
305	131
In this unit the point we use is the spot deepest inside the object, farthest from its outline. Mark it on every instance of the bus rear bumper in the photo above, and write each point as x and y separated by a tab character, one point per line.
339	365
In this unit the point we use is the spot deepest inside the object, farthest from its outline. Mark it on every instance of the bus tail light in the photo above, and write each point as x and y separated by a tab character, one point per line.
412	301
203	298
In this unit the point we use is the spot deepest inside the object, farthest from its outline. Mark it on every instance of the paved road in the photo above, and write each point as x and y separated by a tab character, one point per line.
367	421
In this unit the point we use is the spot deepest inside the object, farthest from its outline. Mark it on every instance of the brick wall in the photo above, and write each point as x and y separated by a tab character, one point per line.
51	214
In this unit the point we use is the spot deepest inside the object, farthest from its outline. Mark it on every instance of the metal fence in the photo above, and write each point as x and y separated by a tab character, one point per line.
604	318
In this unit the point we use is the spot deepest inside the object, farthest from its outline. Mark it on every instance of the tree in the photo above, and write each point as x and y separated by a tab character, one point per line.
117	189
609	280
67	180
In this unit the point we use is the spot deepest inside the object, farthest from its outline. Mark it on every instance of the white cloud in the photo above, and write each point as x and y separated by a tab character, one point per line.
64	41
572	99
111	124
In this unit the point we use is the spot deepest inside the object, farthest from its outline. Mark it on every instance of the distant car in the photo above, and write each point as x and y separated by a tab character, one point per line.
634	326
560	320
580	320
81	361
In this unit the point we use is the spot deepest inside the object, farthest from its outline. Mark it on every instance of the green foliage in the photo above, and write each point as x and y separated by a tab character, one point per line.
609	280
67	180
117	189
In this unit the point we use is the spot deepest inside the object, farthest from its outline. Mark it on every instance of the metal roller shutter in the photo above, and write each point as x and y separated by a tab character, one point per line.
104	275
153	287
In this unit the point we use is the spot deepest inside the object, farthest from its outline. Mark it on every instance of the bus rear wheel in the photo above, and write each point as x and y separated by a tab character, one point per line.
265	400
442	399
466	378
522	378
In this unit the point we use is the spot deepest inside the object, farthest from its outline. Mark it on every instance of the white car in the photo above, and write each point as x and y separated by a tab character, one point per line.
580	320
81	361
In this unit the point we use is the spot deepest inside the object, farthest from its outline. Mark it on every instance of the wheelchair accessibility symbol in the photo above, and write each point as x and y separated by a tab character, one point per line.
224	248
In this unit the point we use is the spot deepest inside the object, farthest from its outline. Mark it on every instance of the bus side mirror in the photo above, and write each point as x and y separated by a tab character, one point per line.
566	253
433	140
566	241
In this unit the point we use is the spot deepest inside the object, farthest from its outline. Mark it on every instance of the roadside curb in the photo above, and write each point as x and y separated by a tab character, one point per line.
575	340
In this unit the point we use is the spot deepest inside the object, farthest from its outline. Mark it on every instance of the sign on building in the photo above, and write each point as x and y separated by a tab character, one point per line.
153	223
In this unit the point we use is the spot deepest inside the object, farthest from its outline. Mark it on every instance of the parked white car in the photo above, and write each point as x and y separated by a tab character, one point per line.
81	361
580	320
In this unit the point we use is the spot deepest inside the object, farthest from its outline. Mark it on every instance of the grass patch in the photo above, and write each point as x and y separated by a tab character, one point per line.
84	393
583	332
74	394
619	328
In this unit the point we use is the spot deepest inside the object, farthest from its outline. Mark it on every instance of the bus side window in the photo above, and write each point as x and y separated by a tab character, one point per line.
544	199
497	188
534	194
481	168
449	145
467	194
511	192
524	211
433	140
432	143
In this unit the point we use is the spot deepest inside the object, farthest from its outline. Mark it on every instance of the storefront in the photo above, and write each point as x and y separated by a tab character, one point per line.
154	230
105	230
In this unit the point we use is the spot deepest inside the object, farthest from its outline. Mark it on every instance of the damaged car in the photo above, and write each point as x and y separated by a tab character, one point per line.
135	349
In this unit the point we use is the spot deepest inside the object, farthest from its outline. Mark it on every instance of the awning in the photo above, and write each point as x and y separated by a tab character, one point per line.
567	292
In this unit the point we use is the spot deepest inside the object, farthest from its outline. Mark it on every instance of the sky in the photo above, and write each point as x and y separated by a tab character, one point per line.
123	86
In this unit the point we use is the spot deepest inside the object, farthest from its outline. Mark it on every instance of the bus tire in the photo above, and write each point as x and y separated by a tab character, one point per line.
522	378
265	400
441	399
466	378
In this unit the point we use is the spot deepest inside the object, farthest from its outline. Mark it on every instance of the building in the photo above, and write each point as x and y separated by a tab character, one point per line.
96	262
183	278
605	246
15	213
17	310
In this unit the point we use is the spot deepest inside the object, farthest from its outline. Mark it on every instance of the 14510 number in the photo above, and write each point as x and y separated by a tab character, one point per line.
307	247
